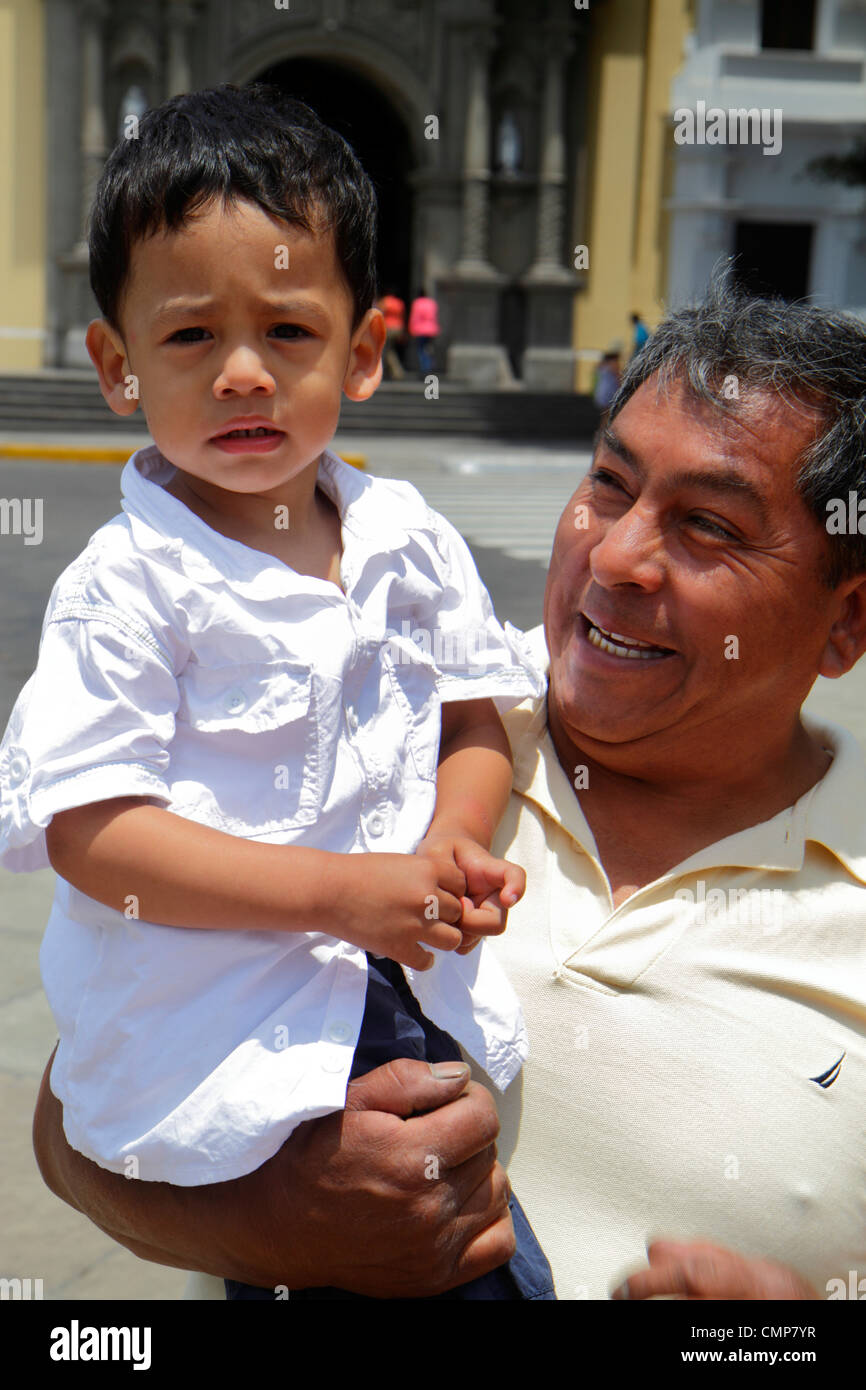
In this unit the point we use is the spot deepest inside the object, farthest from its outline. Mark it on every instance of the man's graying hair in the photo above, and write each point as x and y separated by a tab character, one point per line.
812	357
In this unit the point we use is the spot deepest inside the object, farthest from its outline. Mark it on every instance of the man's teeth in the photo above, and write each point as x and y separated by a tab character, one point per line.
618	645
247	434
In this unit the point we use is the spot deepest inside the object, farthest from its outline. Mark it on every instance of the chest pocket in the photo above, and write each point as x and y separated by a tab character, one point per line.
248	752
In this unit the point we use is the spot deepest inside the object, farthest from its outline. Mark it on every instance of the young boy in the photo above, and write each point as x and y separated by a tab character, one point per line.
229	748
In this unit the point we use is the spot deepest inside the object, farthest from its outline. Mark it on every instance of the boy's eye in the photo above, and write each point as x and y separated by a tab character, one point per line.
178	337
293	330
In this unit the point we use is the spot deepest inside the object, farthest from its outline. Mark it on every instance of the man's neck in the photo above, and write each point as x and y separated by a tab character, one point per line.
646	821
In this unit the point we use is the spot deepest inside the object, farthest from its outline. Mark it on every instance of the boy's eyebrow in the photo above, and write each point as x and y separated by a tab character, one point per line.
723	481
184	306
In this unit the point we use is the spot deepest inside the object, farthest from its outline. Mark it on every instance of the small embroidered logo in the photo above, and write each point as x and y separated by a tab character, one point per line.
828	1077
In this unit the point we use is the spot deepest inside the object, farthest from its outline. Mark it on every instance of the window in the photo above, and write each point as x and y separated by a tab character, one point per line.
788	24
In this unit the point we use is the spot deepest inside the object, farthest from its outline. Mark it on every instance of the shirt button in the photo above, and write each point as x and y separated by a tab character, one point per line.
339	1032
335	1059
352	719
235	702
19	767
375	824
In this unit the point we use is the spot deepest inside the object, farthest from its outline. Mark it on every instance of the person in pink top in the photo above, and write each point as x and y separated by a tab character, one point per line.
424	328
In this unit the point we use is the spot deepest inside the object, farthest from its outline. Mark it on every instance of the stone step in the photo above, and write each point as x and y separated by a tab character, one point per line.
53	400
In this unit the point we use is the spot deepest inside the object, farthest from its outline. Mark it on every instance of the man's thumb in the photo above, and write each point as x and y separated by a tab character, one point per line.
405	1088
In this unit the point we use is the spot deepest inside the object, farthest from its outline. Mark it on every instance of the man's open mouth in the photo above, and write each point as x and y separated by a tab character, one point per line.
629	648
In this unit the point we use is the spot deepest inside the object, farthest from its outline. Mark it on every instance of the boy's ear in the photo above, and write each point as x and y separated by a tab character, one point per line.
108	354
364	371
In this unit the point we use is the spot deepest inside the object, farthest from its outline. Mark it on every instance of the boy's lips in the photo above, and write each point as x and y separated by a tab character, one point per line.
248	434
245	422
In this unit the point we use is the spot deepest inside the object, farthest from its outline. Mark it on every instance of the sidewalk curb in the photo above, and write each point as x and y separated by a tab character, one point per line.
66	453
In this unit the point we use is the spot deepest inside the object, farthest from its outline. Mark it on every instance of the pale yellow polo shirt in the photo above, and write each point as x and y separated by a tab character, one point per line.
675	1042
678	1045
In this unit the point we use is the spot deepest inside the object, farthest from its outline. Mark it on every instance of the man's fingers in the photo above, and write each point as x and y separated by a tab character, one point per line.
703	1271
405	1088
493	1247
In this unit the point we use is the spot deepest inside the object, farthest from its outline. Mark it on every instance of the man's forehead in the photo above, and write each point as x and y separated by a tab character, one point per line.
760	428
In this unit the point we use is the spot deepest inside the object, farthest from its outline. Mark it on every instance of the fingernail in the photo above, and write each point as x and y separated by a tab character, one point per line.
448	1071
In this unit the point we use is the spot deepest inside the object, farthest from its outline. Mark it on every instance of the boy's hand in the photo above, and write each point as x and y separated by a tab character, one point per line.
389	903
492	885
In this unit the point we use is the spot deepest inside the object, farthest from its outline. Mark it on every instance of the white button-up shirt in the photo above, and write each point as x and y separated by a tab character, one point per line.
180	665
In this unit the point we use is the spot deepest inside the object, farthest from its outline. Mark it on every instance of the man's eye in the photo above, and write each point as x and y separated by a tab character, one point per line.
704	523
600	476
293	330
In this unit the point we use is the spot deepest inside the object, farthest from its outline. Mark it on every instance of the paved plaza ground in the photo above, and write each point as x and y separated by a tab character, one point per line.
505	499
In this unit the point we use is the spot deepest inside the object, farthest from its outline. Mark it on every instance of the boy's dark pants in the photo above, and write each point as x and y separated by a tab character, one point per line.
394	1026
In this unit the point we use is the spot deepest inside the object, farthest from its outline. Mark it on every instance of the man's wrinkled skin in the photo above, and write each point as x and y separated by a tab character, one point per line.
346	1201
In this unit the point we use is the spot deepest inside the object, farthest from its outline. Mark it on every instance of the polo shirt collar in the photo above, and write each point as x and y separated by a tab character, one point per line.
830	813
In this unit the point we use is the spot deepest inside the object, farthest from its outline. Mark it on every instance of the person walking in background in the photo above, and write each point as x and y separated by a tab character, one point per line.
607	380
641	333
393	309
424	329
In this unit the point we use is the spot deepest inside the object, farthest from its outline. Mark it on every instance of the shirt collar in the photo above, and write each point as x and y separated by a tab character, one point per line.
164	522
830	813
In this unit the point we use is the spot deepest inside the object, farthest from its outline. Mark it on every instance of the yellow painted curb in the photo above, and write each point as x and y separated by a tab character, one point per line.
63	453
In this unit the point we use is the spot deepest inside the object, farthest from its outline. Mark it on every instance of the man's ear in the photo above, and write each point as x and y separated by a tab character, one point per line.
108	354
364	371
847	640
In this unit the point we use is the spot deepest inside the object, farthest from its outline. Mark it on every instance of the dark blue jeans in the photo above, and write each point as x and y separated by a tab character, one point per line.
394	1026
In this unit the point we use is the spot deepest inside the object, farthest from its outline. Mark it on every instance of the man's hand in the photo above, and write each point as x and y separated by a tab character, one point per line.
698	1271
351	1200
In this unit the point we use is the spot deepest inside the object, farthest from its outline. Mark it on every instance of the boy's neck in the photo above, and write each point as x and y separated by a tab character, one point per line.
296	523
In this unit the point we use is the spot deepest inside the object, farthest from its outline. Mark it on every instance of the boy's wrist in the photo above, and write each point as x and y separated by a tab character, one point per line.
453	828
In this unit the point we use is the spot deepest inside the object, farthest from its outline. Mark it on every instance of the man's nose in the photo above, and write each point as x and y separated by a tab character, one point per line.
243	371
631	551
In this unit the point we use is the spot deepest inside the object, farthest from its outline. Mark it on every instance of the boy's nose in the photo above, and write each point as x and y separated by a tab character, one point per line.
244	371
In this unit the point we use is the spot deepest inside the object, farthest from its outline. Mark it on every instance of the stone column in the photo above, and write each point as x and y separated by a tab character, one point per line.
475	355
94	145
549	360
476	161
180	17
93	148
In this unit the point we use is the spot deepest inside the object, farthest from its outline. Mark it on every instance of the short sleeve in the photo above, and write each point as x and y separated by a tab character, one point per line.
93	722
476	657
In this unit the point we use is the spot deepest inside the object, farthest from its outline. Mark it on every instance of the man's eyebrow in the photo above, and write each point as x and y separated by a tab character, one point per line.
724	481
288	308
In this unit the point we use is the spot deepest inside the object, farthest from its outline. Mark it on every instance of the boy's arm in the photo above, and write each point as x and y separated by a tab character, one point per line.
474	779
146	862
473	787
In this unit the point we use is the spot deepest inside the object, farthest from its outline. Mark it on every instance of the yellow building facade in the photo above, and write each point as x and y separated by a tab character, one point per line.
22	167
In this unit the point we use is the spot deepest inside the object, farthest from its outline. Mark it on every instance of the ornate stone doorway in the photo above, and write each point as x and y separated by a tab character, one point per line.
354	106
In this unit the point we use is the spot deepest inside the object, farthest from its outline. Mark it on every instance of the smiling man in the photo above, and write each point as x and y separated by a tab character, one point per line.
697	1068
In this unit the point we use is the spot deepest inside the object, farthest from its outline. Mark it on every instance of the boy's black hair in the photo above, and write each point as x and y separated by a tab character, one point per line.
252	143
